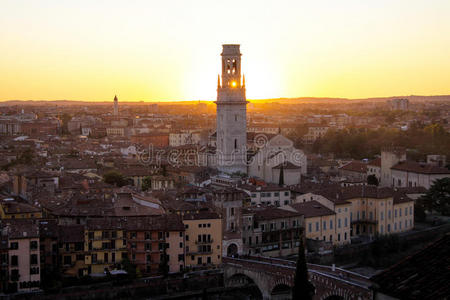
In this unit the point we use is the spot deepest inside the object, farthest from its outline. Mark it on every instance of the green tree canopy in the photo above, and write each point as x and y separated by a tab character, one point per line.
438	197
115	178
146	183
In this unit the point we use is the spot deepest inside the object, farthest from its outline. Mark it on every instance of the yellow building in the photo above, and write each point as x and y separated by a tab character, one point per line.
341	208
381	211
203	238
105	244
321	223
364	210
11	209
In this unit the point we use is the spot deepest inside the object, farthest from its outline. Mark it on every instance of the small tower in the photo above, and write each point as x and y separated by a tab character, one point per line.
231	114
116	106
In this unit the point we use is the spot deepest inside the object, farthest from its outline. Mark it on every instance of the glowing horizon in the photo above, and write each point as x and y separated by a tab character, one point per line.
170	50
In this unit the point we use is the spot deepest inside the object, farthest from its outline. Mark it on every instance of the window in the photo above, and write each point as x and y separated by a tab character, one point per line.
14	260
317	226
339	223
14	245
33	245
382	216
324	225
406	211
331	224
148	246
345	222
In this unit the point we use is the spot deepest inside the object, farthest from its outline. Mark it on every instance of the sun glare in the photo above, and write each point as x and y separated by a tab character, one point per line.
233	83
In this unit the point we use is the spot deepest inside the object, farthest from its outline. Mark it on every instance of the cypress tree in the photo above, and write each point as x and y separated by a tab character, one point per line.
303	289
281	179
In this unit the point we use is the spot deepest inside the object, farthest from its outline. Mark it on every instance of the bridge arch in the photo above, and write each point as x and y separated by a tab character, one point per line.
239	279
338	294
281	289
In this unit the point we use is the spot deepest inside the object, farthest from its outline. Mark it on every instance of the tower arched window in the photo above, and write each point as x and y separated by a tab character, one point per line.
235	143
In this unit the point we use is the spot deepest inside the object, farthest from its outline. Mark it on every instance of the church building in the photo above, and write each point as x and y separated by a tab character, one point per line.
262	157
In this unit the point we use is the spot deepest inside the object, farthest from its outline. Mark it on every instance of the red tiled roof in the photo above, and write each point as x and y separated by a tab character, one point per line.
376	162
312	209
271	213
423	275
355	166
414	167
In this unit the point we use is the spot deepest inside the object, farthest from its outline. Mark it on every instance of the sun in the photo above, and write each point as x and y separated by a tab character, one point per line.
233	83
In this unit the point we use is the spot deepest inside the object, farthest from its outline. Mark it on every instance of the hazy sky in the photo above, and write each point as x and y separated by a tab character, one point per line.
170	50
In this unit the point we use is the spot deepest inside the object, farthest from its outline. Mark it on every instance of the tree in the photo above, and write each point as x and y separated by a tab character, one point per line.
372	180
164	263
303	289
115	178
437	197
129	267
281	178
146	183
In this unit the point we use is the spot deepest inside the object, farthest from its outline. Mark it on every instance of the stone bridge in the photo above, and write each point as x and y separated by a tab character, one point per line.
275	277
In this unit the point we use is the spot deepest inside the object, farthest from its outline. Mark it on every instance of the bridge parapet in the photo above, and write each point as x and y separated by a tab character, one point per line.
268	272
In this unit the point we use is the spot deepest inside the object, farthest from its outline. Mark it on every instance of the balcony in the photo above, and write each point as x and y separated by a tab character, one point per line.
199	252
364	221
210	241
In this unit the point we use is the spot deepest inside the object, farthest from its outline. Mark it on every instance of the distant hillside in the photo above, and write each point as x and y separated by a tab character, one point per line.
412	98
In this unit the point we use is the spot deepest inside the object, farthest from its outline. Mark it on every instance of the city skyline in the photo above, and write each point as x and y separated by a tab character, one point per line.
151	51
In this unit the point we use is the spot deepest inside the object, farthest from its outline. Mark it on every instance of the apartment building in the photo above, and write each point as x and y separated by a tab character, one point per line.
106	244
203	236
150	238
271	231
23	256
268	194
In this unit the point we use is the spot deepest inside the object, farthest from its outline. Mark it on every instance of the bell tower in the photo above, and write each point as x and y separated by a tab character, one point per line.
231	113
116	106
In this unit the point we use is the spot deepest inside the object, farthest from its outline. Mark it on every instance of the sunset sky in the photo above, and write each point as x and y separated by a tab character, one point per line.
170	50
